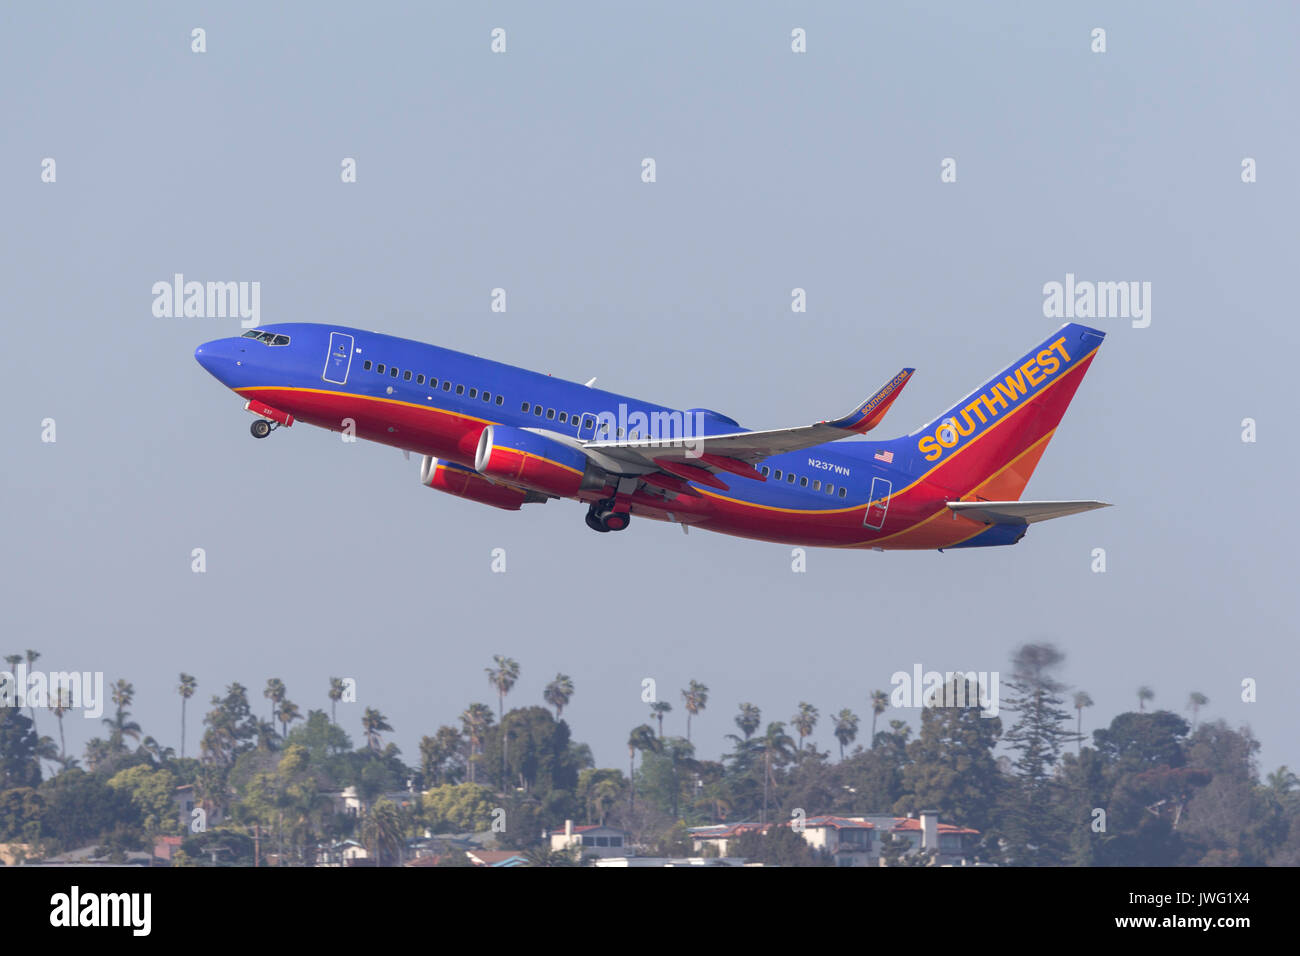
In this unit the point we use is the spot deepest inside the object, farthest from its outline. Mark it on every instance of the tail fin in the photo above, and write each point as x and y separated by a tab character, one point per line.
987	445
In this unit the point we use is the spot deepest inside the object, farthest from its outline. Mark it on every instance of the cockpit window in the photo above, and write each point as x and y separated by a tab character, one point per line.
267	338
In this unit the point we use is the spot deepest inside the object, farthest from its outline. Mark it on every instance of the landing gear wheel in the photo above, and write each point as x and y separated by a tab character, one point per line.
260	428
614	520
595	523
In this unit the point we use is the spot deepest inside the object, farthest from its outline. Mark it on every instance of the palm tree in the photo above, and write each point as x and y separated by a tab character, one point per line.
274	693
119	726
777	746
476	719
558	693
186	689
1081	700
61	705
31	708
1145	694
503	677
286	714
804	721
748	719
374	723
642	738
879	704
1195	702
382	832
696	696
336	695
13	660
657	711
846	729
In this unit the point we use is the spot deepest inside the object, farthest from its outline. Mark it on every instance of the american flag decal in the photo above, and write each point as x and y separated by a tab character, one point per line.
886	456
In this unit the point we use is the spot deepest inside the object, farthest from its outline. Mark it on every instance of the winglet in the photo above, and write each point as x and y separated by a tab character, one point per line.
868	415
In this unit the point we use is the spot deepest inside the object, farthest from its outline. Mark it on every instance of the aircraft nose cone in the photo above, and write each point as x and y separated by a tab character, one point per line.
218	358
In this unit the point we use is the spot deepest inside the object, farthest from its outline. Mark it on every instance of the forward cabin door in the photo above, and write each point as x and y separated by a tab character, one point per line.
339	359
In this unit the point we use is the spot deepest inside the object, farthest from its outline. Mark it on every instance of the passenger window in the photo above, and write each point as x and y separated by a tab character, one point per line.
563	417
830	489
406	376
446	386
765	471
537	409
777	476
550	413
433	382
393	371
473	393
790	477
487	396
817	484
620	433
524	408
460	389
419	379
500	400
803	482
366	365
843	490
379	369
588	423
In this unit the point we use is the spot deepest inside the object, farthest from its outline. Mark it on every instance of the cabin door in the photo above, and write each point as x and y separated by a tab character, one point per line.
339	359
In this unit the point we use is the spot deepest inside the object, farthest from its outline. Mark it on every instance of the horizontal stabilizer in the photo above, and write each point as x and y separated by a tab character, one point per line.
1021	512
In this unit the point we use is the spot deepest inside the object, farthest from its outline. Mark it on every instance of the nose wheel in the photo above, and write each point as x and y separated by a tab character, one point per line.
261	428
603	518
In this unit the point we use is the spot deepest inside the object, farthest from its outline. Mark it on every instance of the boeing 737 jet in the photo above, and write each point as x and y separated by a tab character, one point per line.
506	437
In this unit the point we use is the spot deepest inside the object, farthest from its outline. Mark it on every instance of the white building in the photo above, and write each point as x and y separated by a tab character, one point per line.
595	841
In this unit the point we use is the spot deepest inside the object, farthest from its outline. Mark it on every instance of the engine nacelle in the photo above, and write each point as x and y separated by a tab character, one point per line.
543	464
460	481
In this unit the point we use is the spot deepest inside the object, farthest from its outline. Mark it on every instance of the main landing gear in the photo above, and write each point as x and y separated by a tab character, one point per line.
602	517
261	428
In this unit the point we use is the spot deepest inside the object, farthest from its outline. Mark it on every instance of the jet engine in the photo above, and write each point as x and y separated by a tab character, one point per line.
460	481
524	458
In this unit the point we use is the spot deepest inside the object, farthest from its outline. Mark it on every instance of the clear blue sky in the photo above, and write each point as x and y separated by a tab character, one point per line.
522	171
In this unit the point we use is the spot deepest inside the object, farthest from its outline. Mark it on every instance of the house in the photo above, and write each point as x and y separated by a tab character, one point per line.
166	847
348	803
720	836
595	841
497	857
856	840
342	853
925	832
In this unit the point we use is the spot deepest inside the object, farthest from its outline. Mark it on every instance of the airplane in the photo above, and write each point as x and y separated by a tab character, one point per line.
506	437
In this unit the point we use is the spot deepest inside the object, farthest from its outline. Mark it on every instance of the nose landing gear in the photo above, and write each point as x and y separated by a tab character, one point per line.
260	428
602	517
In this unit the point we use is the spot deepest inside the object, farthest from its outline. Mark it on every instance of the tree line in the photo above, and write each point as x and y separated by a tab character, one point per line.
1150	788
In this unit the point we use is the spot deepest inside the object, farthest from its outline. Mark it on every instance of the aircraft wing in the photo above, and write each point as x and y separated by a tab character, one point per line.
693	459
1021	512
